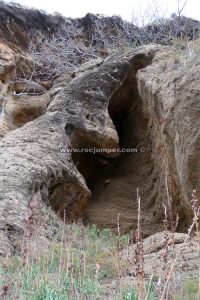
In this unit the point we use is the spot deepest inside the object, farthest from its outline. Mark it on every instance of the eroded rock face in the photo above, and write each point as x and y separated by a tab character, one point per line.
142	98
163	253
136	98
20	109
31	157
7	63
16	111
171	100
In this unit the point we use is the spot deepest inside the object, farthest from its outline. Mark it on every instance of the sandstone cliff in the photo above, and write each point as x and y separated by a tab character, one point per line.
146	98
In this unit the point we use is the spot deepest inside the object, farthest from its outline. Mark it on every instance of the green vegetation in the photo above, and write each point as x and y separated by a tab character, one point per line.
192	287
85	264
70	269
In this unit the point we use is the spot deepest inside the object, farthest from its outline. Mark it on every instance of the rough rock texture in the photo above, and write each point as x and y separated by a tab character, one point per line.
7	63
145	99
164	119
136	98
115	184
161	250
170	94
33	158
18	110
180	249
11	65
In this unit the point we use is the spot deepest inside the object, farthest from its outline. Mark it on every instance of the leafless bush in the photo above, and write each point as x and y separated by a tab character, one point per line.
80	40
58	54
164	31
76	42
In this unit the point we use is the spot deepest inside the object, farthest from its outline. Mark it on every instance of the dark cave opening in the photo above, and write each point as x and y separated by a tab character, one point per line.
121	107
114	181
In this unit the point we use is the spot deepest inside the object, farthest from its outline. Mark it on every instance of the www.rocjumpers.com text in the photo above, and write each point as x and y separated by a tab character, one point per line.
102	150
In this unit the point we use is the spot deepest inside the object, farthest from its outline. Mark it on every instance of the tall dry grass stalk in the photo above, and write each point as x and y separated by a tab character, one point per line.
193	226
139	254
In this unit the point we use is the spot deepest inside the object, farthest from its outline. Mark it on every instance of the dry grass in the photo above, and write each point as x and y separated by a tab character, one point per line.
85	262
70	269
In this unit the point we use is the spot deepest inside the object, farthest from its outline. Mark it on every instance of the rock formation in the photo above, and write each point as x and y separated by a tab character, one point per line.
137	98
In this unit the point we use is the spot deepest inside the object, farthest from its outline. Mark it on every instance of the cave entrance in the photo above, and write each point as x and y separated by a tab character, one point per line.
114	181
